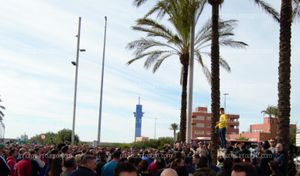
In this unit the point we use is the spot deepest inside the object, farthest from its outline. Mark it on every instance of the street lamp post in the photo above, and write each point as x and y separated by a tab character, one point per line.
225	94
101	89
76	64
190	83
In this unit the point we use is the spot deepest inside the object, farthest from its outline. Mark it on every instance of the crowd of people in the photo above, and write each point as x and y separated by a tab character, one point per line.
266	159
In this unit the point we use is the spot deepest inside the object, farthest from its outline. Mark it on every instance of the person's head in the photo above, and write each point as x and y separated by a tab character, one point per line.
177	163
279	148
243	169
1	148
220	159
142	166
89	161
169	172
125	169
222	111
160	163
272	142
70	163
116	155
13	153
203	162
266	145
196	159
65	149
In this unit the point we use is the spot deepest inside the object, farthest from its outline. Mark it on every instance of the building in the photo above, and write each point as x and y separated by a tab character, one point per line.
201	124
261	132
138	114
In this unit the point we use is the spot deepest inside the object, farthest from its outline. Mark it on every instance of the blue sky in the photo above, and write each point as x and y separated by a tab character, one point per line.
37	44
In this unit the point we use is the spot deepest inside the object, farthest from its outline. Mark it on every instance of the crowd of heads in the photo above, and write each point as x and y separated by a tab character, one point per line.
265	158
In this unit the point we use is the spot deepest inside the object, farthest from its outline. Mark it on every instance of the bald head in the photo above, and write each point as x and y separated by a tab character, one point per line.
169	172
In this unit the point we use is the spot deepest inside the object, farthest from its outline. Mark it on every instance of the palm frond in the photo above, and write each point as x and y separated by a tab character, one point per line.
144	44
1	114
160	61
233	43
151	54
269	9
2	107
296	9
138	3
205	69
204	34
201	5
224	64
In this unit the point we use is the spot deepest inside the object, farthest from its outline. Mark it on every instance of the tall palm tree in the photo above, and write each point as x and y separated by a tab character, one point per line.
174	128
215	75
272	111
284	71
162	43
290	10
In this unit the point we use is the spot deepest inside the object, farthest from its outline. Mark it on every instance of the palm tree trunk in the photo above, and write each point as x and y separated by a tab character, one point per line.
184	59
174	133
215	77
284	70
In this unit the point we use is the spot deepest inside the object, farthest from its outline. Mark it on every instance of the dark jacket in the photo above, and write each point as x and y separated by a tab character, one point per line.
281	159
83	171
205	172
264	163
4	168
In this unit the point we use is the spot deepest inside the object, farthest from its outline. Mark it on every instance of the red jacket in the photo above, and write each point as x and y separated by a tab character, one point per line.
11	161
23	168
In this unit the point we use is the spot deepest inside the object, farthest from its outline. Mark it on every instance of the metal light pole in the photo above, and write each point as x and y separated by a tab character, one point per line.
101	89
190	85
225	94
76	64
155	127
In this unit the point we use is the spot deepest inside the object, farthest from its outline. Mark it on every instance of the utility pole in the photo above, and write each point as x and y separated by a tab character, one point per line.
191	82
101	89
76	80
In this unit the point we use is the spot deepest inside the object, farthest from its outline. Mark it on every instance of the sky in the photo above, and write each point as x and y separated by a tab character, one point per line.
38	43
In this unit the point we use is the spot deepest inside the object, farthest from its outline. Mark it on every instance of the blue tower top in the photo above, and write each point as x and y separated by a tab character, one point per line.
138	114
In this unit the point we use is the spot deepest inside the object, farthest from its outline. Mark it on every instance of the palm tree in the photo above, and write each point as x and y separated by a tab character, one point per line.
290	9
215	75
174	127
284	71
162	43
272	111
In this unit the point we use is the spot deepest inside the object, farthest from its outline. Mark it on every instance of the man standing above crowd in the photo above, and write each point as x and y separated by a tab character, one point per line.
221	125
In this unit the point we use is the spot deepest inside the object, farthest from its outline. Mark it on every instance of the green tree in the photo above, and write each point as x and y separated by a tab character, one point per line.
271	111
65	135
174	128
61	136
162	42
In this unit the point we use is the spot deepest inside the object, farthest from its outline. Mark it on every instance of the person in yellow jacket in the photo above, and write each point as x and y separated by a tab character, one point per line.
221	125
